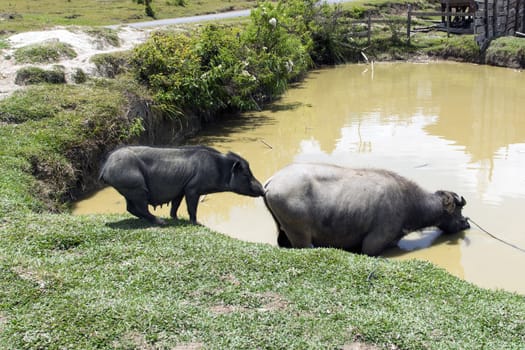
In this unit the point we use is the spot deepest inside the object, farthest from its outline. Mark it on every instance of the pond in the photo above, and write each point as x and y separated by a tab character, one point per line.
452	126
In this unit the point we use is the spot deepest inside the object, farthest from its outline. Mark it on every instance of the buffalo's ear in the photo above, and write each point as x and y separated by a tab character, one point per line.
459	200
448	201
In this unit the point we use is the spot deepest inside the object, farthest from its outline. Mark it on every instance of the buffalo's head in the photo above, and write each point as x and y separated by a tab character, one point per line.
452	220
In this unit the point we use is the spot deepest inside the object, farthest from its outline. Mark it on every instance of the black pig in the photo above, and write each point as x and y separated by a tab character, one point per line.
148	175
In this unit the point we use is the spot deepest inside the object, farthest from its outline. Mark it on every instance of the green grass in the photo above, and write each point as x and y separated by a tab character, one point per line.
43	14
103	35
3	44
113	282
47	52
507	52
37	75
460	47
52	133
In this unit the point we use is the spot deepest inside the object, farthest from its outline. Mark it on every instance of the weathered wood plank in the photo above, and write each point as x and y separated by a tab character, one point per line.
458	14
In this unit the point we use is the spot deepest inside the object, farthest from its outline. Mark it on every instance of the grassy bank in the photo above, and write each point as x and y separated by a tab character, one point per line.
113	282
110	282
52	138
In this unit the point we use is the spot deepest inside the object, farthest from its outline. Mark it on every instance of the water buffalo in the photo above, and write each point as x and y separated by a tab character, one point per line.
147	175
359	210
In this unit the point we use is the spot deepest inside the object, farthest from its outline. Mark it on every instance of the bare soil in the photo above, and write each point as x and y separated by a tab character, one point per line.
85	46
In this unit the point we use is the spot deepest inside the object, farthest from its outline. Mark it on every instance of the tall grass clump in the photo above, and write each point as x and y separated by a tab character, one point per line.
47	52
462	47
37	75
506	51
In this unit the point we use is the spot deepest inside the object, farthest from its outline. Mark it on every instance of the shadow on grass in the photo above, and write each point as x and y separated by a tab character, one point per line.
136	224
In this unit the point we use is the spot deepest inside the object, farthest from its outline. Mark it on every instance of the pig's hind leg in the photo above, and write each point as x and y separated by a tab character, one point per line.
139	208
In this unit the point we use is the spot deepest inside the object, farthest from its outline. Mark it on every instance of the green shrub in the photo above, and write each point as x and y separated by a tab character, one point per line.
51	51
330	36
226	76
168	64
223	68
220	68
35	75
278	35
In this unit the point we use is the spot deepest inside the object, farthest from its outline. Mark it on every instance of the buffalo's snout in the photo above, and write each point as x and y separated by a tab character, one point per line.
454	224
465	224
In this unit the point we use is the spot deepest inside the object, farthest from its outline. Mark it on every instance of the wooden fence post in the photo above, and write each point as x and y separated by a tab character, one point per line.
486	19
523	18
494	19
448	18
369	26
409	21
516	16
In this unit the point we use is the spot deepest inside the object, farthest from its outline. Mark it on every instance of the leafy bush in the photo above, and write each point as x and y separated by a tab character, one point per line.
280	42
229	83
51	51
168	64
223	68
330	36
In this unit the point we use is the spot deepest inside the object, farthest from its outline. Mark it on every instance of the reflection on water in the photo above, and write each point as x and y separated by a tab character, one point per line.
444	125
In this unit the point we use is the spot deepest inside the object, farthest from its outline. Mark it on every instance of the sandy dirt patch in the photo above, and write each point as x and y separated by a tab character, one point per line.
84	45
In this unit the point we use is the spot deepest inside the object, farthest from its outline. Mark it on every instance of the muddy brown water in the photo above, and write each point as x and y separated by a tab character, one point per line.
453	126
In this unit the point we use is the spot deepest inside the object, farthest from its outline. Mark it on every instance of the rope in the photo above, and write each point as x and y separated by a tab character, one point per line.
497	238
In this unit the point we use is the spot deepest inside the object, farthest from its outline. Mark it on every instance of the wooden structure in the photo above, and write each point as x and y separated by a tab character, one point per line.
465	18
487	19
495	18
462	17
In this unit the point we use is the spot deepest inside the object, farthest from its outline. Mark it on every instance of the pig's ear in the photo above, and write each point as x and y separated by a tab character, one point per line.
236	167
